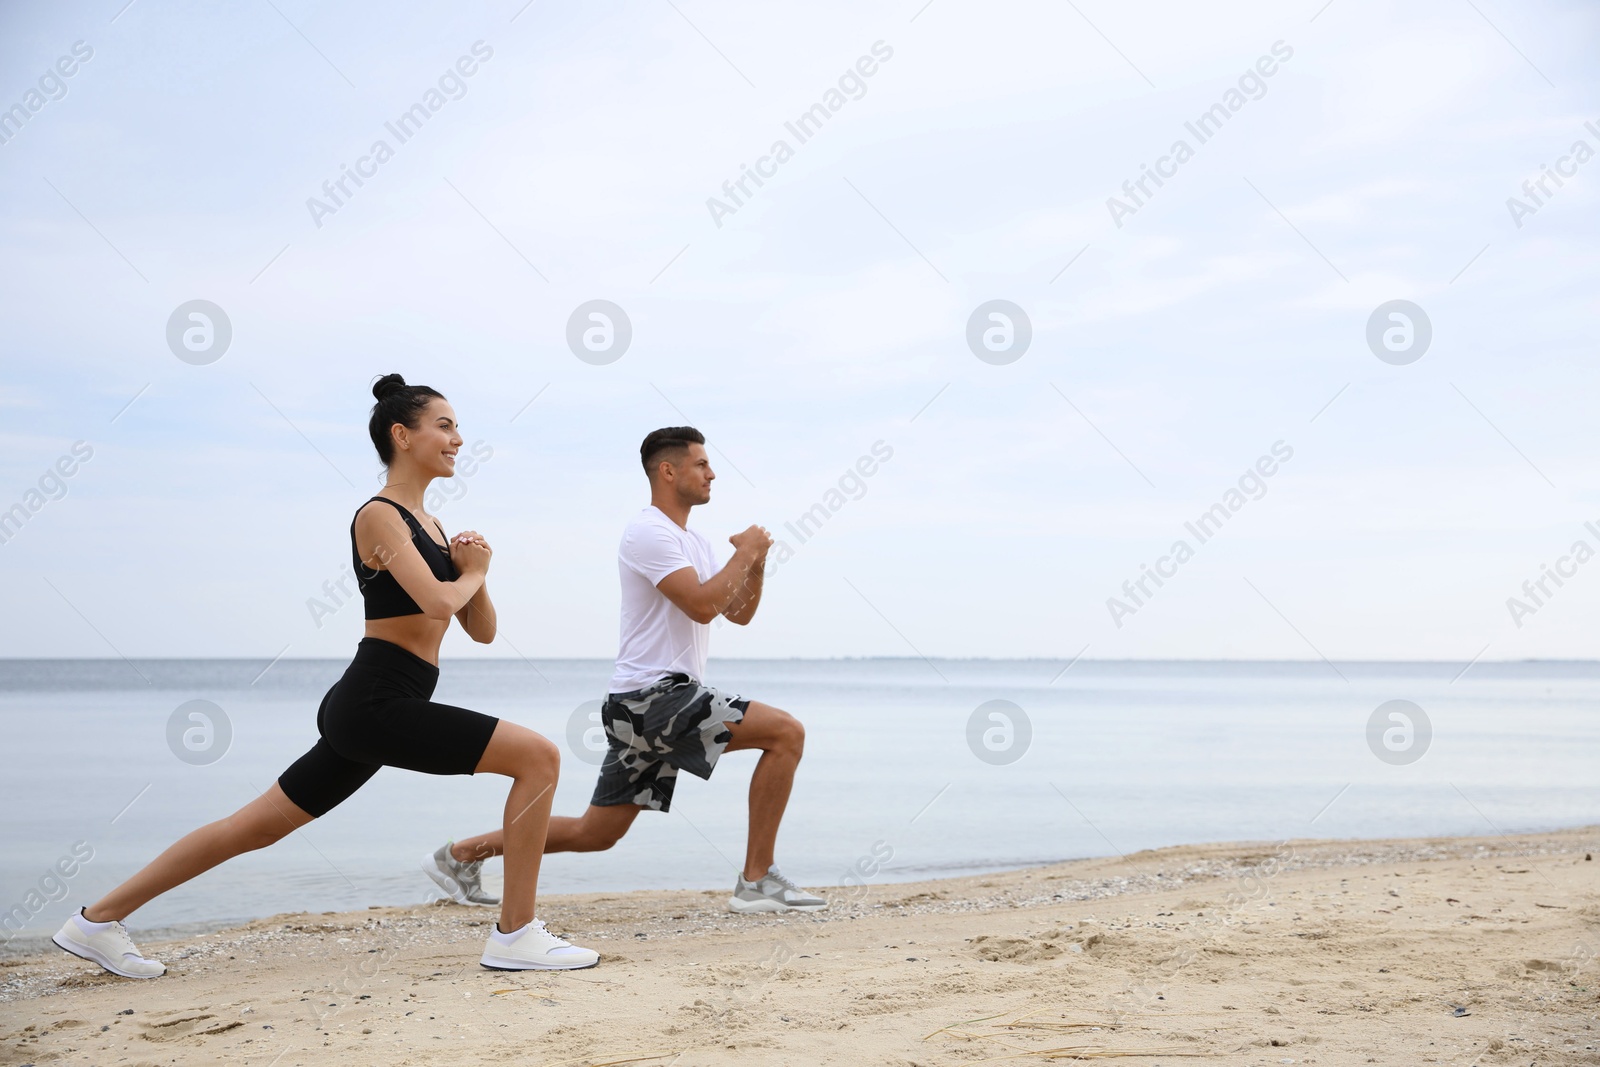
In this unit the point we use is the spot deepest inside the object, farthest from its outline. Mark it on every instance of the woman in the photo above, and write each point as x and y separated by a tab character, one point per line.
378	714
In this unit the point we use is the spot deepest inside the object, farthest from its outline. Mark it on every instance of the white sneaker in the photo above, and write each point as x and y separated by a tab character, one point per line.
772	892
107	944
533	948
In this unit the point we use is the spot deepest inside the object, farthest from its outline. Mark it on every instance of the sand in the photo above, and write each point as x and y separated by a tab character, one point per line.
1450	951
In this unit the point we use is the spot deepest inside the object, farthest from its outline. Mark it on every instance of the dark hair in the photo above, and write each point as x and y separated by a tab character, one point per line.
667	439
397	402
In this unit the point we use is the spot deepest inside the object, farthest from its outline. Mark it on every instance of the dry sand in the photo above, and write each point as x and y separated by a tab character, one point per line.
1451	951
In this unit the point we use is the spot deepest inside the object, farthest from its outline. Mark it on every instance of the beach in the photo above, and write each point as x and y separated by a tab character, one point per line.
1426	950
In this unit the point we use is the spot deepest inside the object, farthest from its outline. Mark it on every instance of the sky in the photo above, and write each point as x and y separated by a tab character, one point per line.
1158	351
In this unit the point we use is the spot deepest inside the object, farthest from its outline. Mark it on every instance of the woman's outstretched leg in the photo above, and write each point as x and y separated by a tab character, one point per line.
96	933
266	819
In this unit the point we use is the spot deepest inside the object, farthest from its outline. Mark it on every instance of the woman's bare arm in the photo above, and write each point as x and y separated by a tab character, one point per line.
384	542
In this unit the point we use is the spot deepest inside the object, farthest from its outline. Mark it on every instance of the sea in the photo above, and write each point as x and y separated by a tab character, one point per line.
922	768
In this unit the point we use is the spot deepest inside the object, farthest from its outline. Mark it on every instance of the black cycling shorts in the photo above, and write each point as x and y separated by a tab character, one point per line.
379	715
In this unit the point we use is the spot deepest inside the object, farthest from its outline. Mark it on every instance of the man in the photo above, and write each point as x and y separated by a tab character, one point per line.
660	717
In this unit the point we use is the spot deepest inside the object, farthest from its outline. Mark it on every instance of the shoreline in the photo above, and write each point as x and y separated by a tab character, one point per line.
1232	950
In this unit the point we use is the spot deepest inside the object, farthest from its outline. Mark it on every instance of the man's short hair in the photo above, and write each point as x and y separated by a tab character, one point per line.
666	443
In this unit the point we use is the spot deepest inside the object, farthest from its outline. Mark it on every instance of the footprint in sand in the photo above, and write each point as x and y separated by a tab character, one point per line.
1046	945
182	1025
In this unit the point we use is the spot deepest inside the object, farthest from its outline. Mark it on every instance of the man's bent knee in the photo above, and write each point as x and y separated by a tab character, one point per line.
792	735
600	829
600	839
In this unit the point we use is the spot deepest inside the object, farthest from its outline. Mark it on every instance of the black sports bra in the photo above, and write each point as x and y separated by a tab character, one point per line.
384	597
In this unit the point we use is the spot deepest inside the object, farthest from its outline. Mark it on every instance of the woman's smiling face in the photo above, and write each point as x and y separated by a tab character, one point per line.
433	443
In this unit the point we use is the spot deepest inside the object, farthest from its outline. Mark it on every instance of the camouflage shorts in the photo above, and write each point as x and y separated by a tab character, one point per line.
673	725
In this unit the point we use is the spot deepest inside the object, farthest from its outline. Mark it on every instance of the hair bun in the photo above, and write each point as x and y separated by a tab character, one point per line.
388	385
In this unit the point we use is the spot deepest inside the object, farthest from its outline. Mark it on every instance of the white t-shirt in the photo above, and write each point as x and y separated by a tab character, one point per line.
658	639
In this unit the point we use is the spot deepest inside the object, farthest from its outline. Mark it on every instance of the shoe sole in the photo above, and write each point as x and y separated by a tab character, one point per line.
765	905
499	964
84	952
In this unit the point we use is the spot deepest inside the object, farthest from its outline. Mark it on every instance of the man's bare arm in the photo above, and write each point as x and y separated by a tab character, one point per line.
748	596
704	601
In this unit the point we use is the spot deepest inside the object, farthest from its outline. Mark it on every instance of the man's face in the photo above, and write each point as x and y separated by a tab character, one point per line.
692	476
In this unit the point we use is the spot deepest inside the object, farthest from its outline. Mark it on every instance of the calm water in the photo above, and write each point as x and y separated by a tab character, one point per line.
1122	756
